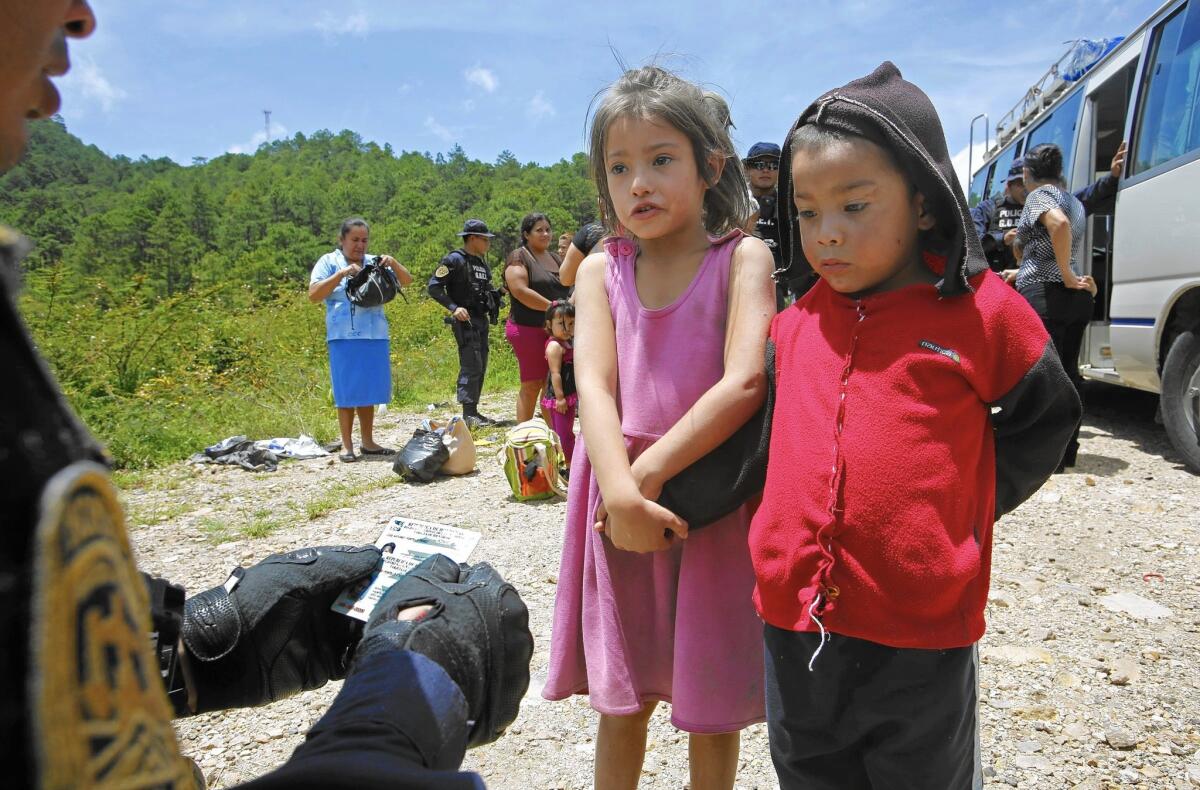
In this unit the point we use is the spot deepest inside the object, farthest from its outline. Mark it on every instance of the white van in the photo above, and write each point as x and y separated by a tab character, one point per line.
1145	254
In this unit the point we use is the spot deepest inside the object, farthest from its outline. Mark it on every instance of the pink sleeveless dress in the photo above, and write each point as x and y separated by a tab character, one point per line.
678	625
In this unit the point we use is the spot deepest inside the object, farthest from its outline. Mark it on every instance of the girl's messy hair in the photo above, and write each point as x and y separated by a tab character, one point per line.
559	307
701	116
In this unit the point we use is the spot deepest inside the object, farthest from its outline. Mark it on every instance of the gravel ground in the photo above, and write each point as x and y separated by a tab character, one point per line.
1089	671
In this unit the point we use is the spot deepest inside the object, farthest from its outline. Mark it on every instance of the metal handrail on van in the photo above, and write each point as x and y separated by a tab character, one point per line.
1039	96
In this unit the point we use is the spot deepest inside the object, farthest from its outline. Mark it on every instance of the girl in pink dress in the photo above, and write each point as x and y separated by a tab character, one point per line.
561	397
671	328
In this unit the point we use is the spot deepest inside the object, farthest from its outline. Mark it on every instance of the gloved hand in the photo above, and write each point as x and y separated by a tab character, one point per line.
268	632
477	630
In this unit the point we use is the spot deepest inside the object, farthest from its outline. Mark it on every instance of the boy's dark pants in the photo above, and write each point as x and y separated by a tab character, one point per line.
870	716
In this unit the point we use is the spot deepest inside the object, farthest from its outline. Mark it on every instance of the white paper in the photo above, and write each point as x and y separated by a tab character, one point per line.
406	543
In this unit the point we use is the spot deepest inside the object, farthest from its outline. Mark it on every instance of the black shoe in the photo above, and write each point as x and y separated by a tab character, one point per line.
378	451
483	420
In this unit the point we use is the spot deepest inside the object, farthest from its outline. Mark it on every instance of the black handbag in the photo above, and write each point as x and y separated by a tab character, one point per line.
373	285
730	475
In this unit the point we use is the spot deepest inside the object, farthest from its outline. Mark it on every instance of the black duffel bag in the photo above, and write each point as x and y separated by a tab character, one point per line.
420	459
730	475
373	285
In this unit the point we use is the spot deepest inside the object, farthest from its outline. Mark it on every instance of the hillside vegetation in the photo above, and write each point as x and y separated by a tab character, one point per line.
171	301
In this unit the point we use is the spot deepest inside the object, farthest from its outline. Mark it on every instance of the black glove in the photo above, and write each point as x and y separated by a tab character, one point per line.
477	630
268	632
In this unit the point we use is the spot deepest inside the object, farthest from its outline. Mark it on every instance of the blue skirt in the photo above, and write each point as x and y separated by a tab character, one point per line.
361	372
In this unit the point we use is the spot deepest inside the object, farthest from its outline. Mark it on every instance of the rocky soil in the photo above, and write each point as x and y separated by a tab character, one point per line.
1090	676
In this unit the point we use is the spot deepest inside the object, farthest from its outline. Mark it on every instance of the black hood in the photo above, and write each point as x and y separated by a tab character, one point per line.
886	109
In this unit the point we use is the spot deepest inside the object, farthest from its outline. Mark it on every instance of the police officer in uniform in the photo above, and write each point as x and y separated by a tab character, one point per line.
993	219
97	658
996	220
762	168
462	283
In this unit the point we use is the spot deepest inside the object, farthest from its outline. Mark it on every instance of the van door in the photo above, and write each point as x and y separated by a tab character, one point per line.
1101	132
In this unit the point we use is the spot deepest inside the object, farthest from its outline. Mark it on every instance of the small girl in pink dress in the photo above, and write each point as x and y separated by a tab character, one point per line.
672	325
561	398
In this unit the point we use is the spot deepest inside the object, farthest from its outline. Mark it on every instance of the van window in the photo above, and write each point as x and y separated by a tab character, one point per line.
1000	174
1168	124
1059	129
978	185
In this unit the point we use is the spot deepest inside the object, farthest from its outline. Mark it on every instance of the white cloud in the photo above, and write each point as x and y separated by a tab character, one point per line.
333	25
94	86
257	139
482	77
357	24
438	131
540	107
960	163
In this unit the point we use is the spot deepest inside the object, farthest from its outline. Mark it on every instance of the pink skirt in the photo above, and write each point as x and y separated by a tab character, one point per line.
675	626
529	345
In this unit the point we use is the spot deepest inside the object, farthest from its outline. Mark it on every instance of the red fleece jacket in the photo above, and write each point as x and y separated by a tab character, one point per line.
881	481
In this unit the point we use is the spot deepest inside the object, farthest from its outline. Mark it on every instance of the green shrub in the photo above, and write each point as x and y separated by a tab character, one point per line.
160	380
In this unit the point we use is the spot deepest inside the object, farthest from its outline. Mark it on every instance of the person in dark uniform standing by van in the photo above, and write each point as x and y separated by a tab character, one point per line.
996	221
462	283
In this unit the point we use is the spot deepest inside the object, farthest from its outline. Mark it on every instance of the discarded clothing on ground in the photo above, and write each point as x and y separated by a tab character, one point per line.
258	456
300	448
238	451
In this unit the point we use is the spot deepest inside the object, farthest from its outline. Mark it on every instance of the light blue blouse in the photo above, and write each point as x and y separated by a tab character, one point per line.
344	321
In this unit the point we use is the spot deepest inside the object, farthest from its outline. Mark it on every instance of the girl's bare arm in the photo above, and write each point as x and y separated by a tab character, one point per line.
554	358
596	383
731	401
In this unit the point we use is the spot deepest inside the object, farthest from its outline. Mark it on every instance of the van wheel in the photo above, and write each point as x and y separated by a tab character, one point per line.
1181	397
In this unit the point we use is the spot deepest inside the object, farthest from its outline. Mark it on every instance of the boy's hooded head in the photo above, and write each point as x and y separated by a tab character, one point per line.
896	115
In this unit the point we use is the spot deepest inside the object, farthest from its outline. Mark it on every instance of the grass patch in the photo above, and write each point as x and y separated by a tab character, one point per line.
264	521
216	530
158	514
258	523
131	479
340	495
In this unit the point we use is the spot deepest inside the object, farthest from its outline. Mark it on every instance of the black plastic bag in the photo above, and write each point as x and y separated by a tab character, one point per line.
420	459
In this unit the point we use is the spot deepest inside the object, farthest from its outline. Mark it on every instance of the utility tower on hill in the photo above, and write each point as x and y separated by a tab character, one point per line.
267	117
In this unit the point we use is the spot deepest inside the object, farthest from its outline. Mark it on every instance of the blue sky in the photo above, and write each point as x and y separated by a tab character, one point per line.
191	78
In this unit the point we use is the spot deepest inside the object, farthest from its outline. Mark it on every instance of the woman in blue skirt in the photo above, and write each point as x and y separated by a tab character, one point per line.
357	337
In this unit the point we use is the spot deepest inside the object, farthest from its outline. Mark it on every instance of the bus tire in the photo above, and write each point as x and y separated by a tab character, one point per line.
1181	396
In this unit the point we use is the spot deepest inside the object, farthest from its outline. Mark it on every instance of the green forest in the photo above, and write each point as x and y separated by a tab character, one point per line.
171	301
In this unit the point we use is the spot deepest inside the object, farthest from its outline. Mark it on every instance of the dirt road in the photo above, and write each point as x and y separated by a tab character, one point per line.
1089	668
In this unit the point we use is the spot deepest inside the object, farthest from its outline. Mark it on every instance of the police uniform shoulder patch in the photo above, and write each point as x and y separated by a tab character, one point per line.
441	271
100	713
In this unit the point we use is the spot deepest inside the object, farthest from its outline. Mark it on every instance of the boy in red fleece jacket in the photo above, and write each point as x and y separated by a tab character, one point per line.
918	398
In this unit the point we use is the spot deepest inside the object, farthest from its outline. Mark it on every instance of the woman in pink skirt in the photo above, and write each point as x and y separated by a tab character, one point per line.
531	276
